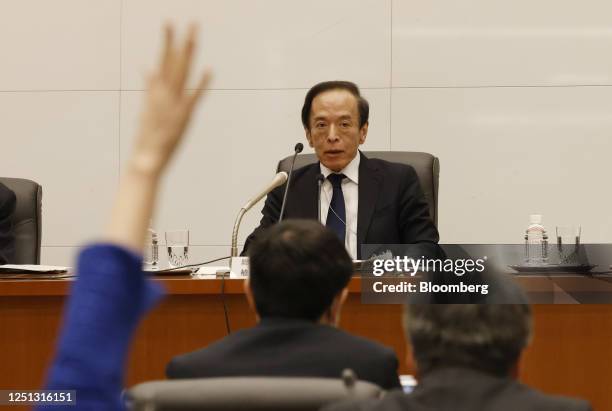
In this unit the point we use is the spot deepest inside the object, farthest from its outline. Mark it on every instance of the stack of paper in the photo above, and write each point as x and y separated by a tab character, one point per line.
32	269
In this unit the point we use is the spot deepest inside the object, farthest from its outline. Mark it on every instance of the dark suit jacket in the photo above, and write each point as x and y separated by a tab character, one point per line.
7	237
293	348
392	208
460	389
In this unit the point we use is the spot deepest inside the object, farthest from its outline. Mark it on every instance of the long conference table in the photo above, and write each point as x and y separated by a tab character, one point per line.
571	351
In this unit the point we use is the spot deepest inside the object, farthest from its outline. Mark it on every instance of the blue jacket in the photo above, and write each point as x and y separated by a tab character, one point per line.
109	297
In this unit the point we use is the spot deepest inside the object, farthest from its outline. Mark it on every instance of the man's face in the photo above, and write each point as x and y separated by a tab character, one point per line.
334	128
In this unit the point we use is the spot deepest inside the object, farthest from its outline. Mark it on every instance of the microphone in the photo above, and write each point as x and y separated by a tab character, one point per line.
279	180
298	149
320	179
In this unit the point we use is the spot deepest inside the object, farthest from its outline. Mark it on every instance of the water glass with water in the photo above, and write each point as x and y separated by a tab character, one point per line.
177	244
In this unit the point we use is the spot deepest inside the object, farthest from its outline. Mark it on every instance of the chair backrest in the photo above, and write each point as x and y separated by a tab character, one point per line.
426	166
27	221
246	394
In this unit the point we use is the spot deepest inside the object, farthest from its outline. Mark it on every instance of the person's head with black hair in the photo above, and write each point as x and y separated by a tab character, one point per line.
485	337
335	119
299	270
363	107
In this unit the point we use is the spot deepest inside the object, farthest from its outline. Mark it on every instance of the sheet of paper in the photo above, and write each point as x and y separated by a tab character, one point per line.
212	269
32	268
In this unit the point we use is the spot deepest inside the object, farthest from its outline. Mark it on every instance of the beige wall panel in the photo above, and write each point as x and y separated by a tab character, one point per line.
58	255
493	43
68	143
267	44
506	153
59	45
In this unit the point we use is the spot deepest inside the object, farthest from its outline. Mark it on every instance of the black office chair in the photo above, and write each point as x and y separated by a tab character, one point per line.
426	166
27	219
247	394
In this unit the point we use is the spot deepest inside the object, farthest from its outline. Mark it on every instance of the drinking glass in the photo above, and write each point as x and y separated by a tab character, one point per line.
177	244
568	242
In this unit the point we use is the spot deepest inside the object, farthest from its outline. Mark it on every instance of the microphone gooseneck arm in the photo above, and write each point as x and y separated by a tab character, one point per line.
297	149
278	180
235	232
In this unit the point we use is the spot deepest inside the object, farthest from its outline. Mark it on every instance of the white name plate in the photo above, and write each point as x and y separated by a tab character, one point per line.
239	267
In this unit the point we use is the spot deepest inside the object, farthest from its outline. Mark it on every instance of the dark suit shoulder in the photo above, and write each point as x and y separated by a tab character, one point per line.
302	188
7	236
306	172
189	365
357	341
286	348
370	355
390	167
398	178
536	400
466	390
7	201
343	342
394	400
312	168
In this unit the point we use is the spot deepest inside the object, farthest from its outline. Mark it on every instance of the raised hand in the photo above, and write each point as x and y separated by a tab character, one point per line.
168	106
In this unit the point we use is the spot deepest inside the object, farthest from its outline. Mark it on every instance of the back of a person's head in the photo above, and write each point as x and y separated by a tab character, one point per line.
297	267
483	337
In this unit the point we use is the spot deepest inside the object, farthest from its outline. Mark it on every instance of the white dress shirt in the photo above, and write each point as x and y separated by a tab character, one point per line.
350	190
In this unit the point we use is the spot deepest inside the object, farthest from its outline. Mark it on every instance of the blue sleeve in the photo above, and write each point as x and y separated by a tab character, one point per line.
108	298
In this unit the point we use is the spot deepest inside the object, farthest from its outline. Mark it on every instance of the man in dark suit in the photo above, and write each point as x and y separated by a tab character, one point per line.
7	237
467	359
297	285
365	201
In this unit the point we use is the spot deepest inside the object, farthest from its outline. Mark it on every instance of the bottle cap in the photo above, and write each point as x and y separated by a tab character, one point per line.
535	218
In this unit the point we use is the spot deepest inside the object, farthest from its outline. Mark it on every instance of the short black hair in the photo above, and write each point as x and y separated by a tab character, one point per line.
297	267
362	104
485	337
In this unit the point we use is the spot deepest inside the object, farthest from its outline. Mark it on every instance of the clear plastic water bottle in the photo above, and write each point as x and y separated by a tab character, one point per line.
151	250
536	241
